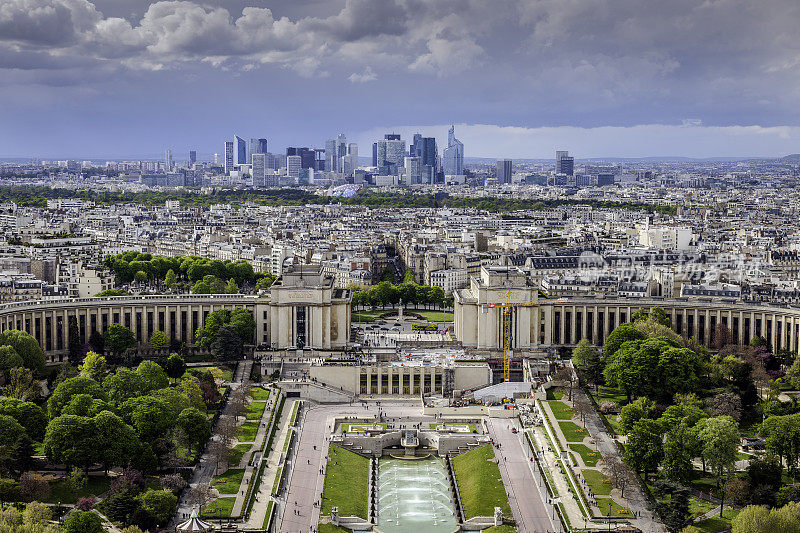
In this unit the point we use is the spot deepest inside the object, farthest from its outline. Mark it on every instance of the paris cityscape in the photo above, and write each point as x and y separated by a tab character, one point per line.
333	266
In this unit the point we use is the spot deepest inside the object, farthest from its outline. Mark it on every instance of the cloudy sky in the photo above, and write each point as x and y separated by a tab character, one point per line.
519	78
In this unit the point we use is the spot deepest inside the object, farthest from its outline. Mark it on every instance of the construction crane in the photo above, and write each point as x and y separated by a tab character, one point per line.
506	309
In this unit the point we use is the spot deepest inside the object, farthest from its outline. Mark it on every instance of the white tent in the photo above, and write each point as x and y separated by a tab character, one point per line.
194	524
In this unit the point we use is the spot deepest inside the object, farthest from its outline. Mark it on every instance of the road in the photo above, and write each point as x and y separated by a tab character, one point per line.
525	501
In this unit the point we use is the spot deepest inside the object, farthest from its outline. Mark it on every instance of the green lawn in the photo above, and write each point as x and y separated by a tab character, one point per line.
220	372
367	316
561	410
237	452
704	482
346	479
589	456
699	507
435	316
554	393
247	431
609	395
330	528
573	432
505	528
60	491
219	508
479	483
276	483
229	481
600	484
259	394
614	510
255	410
717	523
267	516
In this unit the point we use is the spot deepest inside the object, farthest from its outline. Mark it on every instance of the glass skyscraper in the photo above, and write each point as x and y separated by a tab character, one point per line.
453	155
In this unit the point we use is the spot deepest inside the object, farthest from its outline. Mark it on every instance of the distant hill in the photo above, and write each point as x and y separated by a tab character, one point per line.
792	158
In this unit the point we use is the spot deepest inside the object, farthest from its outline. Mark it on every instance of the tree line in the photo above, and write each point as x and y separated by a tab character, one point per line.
409	292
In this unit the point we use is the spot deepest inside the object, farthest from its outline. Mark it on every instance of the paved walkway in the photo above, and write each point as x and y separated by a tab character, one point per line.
526	503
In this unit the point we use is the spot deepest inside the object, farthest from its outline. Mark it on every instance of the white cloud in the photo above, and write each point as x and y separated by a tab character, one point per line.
366	76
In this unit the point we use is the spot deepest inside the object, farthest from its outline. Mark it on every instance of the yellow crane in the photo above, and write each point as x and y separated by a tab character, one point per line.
506	309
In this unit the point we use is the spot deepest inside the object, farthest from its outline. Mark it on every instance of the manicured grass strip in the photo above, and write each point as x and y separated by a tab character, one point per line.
554	394
561	410
505	528
600	484
346	481
259	394
573	432
219	508
288	441
615	508
436	316
330	528
479	483
268	516
237	452
295	410
589	456
247	432
229	481
274	420
699	507
276	484
60	491
255	410
717	523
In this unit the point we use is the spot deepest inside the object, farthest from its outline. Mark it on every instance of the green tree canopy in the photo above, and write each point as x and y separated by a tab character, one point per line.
93	366
118	339
151	376
69	388
70	440
159	340
26	346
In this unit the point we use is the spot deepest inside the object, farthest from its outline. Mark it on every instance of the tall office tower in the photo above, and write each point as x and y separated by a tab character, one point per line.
425	149
453	155
216	159
330	155
413	170
564	163
414	148
504	171
259	170
257	146
389	153
293	165
307	155
341	152
351	159
375	154
319	159
168	160
228	157
192	157
240	151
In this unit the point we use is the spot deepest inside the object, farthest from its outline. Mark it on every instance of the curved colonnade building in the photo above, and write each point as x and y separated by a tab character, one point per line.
540	323
302	309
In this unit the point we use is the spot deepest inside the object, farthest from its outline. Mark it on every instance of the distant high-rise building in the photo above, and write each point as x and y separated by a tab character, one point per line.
341	152
257	146
293	165
389	153
504	170
229	160
240	151
413	171
453	155
168	160
307	155
216	159
192	157
351	160
319	159
330	155
564	163
263	174
425	149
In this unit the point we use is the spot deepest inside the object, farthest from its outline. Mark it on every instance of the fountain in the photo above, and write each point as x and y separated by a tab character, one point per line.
414	496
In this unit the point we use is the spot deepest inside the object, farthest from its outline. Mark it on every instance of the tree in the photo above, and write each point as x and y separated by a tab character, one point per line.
9	359
140	276
26	346
93	366
782	438
623	333
76	481
122	385
228	344
159	340
566	375
21	384
29	415
150	417
151	376
96	342
409	277
753	519
658	315
644	448
171	280
242	320
119	339
631	413
586	358
83	522
680	448
67	389
74	345
116	440
764	475
672	504
720	439
36	514
620	474
70	440
195	428
231	287
738	490
159	504
175	366
725	403
33	487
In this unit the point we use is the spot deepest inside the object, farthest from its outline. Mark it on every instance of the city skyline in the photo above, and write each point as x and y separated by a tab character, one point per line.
693	79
